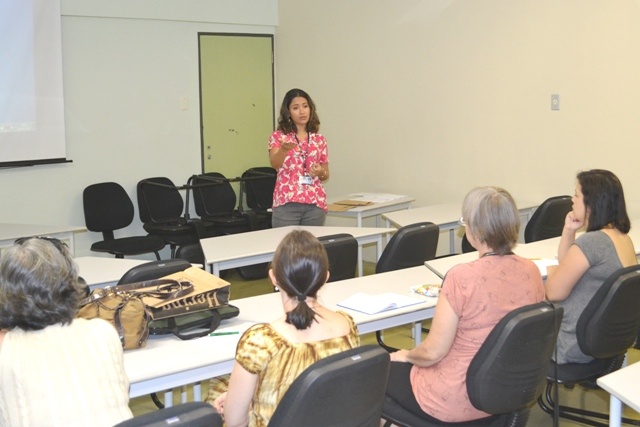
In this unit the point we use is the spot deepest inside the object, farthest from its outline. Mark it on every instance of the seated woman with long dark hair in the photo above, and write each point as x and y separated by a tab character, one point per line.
587	261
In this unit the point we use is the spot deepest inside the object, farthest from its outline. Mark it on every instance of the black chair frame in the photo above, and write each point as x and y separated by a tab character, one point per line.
176	228
606	329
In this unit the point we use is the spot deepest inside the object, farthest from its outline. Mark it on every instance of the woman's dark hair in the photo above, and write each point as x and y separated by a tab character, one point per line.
603	200
300	265
38	285
286	124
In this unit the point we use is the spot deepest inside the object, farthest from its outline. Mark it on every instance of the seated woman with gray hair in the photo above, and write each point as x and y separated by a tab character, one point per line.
55	370
430	379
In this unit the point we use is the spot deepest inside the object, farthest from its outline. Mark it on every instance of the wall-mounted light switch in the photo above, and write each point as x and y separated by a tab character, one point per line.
555	102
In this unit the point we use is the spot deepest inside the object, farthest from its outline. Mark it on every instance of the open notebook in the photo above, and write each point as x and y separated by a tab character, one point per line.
372	304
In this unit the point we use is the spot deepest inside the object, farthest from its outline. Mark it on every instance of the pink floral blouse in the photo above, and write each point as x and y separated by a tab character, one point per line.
297	163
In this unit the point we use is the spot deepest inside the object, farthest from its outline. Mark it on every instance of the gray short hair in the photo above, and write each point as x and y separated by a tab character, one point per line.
492	217
38	285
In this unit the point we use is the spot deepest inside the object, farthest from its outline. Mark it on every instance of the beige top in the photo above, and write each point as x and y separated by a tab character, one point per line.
66	376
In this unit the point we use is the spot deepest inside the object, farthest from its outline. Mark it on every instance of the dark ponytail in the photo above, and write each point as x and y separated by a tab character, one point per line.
300	266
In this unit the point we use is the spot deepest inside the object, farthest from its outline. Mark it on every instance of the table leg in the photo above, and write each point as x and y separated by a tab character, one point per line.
360	262
168	398
615	412
197	392
417	333
452	240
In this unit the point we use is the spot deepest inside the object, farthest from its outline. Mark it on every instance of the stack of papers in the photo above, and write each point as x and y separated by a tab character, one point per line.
372	304
378	197
543	263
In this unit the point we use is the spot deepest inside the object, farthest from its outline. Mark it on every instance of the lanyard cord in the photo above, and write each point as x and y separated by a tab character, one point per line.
305	156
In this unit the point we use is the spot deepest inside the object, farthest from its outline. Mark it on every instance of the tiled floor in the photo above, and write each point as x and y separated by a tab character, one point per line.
400	337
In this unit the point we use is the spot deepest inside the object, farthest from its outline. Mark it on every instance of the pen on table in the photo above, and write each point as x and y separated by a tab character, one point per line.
218	334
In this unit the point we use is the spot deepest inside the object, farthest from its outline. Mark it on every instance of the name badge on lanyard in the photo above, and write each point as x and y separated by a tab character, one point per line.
305	180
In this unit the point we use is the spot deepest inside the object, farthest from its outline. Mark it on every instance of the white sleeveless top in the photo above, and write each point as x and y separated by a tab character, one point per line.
71	375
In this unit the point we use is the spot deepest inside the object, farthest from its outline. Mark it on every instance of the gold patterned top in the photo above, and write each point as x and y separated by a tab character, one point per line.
278	362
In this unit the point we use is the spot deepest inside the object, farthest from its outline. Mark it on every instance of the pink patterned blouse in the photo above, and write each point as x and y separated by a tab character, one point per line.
297	163
481	293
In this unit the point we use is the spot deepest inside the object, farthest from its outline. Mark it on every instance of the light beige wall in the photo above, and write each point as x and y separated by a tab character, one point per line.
126	67
432	97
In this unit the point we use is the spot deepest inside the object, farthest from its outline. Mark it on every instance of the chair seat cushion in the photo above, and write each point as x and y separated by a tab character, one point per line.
395	412
230	220
178	234
130	245
573	373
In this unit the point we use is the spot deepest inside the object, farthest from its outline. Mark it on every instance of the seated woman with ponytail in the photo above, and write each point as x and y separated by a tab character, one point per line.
270	356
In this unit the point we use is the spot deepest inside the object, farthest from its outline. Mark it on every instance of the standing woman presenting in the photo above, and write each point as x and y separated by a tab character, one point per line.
299	154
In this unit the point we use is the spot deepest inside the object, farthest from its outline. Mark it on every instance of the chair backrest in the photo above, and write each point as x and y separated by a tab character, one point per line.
159	201
548	220
213	195
154	270
341	390
509	370
410	246
259	189
342	250
608	326
466	245
107	207
190	414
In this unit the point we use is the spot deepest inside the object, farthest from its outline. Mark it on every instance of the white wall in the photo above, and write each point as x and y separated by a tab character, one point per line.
432	97
126	66
423	97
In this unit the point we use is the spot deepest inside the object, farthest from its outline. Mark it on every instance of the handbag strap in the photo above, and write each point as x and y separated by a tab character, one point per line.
164	289
168	291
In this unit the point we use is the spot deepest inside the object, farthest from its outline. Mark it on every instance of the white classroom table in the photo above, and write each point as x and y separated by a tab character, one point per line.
10	232
622	385
100	272
541	249
381	204
444	215
167	362
255	247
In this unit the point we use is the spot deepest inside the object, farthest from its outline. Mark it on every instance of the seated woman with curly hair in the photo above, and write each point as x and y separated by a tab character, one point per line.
55	370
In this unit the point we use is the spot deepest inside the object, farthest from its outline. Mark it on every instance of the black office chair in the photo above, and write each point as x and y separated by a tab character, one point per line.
190	414
410	246
342	250
606	329
341	390
507	373
215	203
466	245
257	185
161	208
548	220
107	207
